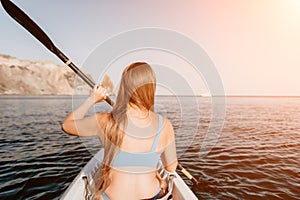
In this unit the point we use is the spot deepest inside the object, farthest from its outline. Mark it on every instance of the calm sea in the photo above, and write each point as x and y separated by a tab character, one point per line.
256	156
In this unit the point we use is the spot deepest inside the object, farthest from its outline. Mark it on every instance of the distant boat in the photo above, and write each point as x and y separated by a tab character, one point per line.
205	95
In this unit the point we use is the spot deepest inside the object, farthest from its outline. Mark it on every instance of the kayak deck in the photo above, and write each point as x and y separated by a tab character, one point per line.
77	189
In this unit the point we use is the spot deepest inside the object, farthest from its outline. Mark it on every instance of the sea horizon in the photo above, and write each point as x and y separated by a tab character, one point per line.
158	95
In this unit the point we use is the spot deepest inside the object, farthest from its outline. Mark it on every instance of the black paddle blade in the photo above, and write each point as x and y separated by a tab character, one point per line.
18	15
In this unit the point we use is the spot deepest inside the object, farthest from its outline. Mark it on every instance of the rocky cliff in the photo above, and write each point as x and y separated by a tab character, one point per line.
25	77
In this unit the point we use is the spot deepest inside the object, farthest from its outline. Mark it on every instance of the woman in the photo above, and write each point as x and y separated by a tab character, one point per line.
133	136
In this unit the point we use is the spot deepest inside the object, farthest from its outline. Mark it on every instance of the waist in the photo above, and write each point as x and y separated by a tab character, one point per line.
133	174
133	185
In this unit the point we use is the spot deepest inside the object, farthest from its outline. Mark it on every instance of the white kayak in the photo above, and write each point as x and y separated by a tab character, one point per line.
83	183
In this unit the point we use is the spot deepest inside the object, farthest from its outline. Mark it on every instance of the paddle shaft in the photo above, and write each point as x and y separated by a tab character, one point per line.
82	75
18	15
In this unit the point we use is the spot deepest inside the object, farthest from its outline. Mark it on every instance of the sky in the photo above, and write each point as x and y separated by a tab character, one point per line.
253	44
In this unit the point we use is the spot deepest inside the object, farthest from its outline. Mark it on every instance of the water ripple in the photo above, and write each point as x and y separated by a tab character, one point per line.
257	155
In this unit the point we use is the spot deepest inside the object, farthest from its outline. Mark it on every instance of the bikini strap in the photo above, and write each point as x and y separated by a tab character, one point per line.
160	121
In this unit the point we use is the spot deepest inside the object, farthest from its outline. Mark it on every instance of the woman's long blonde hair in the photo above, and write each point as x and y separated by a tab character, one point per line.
137	87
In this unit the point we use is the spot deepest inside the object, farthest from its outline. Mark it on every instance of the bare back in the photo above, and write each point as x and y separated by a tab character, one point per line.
139	182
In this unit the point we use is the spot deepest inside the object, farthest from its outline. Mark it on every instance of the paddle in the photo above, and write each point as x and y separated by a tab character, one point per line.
187	174
18	15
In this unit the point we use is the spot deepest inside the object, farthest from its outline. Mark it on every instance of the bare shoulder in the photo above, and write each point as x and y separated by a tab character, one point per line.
167	129
167	123
102	119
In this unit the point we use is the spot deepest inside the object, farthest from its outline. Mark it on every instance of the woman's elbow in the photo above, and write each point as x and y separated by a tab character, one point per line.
65	128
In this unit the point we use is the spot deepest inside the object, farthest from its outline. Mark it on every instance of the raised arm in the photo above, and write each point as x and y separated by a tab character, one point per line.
77	124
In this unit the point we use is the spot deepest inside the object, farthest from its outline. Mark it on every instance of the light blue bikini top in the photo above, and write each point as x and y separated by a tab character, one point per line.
143	159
